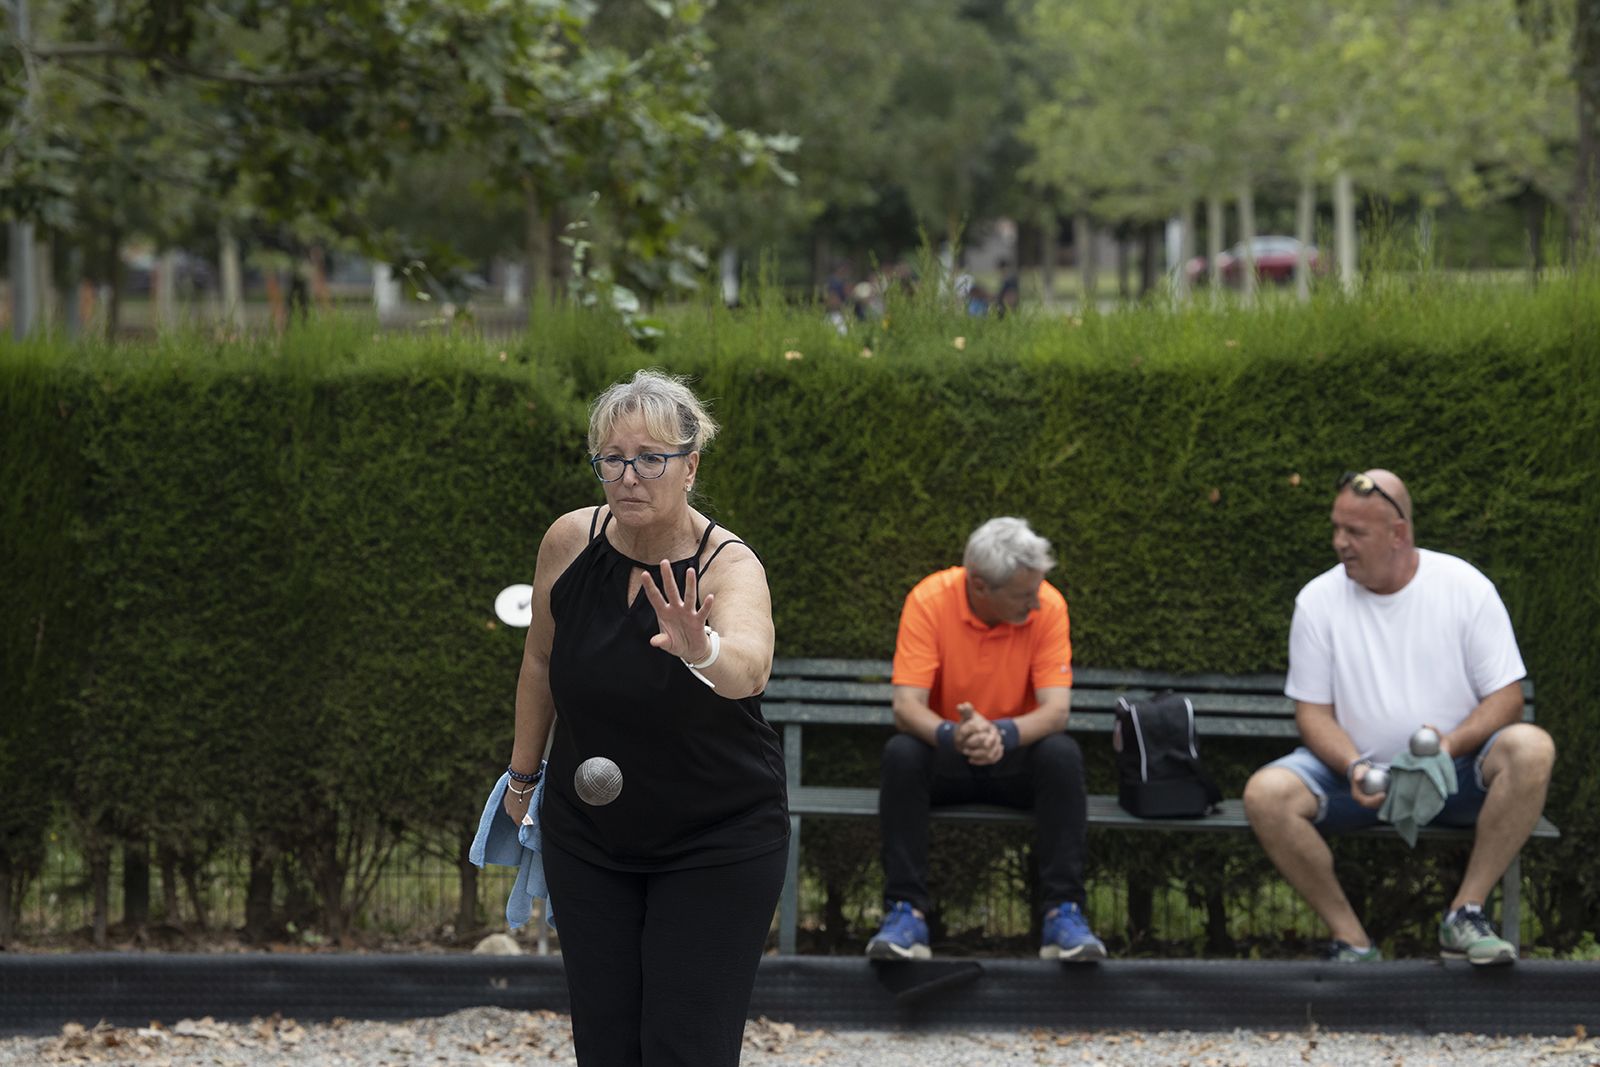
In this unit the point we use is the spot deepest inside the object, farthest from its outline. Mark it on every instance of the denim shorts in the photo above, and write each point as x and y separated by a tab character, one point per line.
1338	812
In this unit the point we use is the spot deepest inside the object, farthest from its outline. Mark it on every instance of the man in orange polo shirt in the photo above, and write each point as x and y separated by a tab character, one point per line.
982	691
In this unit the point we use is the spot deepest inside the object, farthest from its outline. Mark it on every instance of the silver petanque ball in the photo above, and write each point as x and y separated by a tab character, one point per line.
1375	781
598	781
1425	742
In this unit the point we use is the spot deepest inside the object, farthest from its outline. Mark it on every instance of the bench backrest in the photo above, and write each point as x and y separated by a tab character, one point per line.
844	691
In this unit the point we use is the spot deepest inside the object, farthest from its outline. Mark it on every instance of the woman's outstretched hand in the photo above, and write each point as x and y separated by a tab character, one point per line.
683	627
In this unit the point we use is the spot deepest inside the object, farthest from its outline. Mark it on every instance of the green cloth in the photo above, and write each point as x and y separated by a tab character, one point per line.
1418	788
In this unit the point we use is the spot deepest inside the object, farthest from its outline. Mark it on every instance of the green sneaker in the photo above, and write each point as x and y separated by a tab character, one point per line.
1344	952
1467	934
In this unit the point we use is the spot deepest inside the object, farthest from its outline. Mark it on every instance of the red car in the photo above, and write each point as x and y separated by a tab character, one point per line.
1275	258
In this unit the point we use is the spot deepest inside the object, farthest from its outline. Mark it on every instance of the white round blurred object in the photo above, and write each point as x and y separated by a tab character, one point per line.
514	605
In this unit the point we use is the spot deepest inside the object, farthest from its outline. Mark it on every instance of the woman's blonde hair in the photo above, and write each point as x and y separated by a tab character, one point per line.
671	411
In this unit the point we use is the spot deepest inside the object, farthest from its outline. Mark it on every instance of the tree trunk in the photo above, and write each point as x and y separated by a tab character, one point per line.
100	884
1149	257
24	276
1124	282
467	884
386	291
834	923
1180	270
319	277
7	904
190	867
1585	218
164	281
820	267
72	315
113	280
44	266
1305	210
258	895
1533	219
1049	249
540	252
135	887
1344	229
728	266
1424	237
171	904
1247	238
232	278
1083	237
275	304
1215	231
1217	940
1141	911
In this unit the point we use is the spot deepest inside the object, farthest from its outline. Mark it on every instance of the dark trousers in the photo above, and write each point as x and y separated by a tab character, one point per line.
660	966
1046	776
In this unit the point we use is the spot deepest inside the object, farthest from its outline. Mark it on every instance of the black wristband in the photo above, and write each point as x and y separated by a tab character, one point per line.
1010	736
945	735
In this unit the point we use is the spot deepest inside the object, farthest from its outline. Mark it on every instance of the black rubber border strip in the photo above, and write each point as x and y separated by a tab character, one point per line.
38	993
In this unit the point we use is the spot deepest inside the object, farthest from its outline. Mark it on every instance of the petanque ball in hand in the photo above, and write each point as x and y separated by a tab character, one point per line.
1425	742
598	781
1375	781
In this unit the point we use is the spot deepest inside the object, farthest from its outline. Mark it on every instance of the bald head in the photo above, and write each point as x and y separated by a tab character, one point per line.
1390	483
1372	530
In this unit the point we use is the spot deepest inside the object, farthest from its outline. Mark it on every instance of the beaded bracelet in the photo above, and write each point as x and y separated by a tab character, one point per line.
525	779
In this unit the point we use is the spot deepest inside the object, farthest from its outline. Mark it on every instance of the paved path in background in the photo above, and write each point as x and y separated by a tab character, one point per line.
495	1037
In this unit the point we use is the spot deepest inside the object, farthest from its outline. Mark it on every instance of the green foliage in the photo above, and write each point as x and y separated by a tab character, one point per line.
280	559
46	604
291	117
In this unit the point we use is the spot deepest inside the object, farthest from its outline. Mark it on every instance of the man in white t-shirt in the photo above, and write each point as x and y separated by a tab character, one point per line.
1392	638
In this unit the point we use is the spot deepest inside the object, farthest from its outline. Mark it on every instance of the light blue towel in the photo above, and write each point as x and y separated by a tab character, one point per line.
501	841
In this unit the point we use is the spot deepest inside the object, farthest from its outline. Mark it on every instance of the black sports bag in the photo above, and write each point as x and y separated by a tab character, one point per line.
1159	773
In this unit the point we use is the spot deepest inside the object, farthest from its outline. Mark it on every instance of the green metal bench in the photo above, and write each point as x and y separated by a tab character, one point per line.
806	692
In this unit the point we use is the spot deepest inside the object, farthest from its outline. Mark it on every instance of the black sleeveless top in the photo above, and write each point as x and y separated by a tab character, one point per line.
702	775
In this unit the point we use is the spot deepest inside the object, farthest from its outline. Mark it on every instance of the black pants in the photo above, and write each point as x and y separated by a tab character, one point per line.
660	966
1046	776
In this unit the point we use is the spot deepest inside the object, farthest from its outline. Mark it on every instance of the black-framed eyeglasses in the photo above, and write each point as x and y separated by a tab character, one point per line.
647	465
1363	485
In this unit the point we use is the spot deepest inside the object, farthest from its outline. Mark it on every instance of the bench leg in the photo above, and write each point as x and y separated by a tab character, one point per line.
1511	903
789	903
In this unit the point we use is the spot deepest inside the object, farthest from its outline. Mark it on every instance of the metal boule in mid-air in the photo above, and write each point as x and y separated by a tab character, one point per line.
1425	742
598	781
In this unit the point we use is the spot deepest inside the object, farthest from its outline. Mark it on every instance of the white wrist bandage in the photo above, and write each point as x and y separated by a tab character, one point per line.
711	657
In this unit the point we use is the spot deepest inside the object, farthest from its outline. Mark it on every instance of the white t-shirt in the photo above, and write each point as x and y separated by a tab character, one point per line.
1429	653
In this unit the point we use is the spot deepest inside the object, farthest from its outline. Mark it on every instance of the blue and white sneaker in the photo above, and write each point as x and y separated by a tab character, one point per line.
903	936
1067	937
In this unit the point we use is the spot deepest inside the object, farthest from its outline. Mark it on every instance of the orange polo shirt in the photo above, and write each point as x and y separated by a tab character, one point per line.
943	648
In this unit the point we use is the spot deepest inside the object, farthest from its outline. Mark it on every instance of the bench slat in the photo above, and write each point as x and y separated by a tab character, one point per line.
1103	810
1089	722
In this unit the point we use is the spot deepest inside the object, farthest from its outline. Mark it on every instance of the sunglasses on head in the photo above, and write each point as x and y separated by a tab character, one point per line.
1363	485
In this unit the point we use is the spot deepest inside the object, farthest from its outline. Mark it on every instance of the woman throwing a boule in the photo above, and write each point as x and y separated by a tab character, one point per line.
650	644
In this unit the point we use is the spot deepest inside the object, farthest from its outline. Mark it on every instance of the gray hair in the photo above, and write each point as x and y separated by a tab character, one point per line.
1001	547
671	411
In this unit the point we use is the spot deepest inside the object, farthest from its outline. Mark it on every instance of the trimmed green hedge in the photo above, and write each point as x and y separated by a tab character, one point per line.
249	588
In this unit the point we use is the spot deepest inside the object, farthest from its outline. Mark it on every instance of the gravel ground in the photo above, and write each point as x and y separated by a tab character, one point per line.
494	1037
